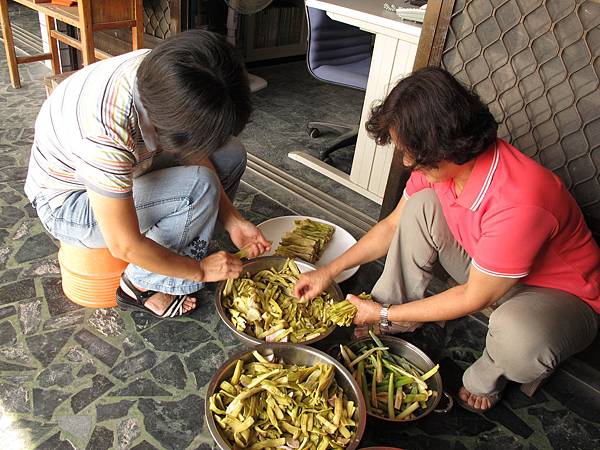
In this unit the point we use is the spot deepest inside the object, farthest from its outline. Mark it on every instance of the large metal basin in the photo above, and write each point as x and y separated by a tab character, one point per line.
255	266
291	354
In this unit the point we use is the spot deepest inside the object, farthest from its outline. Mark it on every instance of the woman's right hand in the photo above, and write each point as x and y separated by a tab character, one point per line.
220	266
311	284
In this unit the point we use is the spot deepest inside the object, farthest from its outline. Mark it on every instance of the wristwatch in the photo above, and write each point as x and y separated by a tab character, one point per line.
383	316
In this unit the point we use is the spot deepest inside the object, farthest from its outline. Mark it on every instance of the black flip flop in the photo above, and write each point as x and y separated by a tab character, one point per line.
125	301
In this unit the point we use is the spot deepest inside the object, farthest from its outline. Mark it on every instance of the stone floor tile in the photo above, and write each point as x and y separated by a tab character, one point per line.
127	432
8	334
30	316
35	247
144	445
141	387
174	424
109	411
19	290
56	375
78	426
7	311
102	439
97	347
180	336
44	347
134	365
33	429
170	372
14	399
45	401
83	398
55	443
55	298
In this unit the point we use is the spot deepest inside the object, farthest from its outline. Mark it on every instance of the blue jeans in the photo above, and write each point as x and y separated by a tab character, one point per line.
176	207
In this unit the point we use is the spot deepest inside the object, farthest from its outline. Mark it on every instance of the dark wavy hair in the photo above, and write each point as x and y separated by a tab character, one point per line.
434	118
196	91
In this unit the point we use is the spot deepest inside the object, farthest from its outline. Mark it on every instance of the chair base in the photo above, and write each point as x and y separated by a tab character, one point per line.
347	136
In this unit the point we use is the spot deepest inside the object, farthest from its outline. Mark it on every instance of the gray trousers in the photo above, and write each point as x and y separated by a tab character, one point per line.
531	331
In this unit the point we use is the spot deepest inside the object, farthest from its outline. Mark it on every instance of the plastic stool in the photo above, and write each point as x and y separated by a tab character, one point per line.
90	276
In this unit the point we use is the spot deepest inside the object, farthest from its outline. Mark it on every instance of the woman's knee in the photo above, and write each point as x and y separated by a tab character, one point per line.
420	204
525	348
204	185
230	159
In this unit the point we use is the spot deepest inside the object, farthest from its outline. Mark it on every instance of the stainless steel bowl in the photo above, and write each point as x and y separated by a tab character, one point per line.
255	266
417	357
291	354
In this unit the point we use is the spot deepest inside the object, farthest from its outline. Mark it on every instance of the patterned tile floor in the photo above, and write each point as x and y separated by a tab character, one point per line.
99	379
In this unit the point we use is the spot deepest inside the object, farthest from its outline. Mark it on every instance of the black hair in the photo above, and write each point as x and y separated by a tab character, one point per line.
196	92
434	118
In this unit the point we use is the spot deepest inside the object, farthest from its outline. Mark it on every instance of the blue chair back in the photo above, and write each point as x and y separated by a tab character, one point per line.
337	52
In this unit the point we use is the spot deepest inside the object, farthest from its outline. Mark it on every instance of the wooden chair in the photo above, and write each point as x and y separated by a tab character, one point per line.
88	16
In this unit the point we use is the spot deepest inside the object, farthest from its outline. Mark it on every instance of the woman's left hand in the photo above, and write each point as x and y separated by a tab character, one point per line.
368	310
247	236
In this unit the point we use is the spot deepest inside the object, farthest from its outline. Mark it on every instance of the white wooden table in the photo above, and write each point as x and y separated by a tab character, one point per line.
394	53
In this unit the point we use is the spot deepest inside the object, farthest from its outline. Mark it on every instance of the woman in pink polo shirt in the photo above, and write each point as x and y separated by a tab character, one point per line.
504	227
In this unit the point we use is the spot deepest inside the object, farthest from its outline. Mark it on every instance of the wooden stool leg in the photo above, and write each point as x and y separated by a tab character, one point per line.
53	43
137	32
87	32
9	46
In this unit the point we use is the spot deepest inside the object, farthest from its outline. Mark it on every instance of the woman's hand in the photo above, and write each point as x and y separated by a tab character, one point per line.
368	310
220	266
310	284
247	236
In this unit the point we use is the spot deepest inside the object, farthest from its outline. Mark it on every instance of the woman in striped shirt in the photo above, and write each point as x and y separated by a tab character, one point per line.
138	153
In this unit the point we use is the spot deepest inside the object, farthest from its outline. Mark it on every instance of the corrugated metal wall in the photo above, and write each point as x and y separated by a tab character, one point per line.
537	65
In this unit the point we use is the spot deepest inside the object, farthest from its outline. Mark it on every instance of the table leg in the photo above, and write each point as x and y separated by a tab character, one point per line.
9	45
392	59
53	43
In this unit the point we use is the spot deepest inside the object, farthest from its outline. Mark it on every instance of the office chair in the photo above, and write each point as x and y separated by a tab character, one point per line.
340	54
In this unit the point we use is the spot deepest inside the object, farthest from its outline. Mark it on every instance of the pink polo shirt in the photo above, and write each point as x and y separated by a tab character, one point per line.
516	219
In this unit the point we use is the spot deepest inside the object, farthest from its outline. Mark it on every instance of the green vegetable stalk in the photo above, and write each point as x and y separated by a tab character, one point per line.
342	313
263	306
392	386
306	241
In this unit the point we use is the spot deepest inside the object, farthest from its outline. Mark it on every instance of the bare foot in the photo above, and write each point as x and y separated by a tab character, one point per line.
159	302
480	402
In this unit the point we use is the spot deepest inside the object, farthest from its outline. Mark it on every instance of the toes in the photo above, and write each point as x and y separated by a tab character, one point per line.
485	404
472	400
189	304
464	394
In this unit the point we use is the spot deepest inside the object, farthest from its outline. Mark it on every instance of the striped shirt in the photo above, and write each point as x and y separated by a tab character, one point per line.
87	134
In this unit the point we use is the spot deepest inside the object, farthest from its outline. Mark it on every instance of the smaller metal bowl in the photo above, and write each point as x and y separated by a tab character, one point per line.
291	354
418	358
256	265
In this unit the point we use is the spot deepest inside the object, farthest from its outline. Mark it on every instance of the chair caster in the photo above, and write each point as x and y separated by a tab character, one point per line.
314	133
